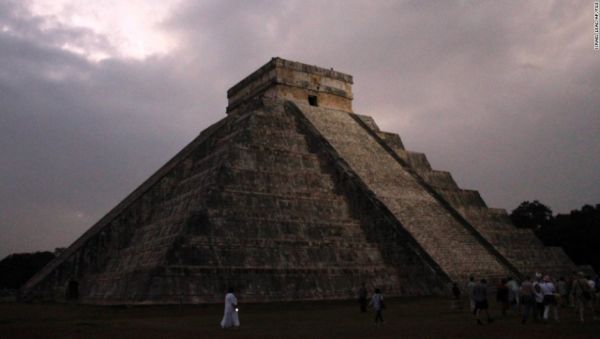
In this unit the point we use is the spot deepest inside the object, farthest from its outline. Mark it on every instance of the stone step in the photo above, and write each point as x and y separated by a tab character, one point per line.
369	121
462	198
265	158
439	180
270	225
276	241
289	207
280	139
278	254
391	139
304	184
418	161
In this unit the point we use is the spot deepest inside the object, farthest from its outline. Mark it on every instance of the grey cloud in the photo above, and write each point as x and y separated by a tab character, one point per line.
502	94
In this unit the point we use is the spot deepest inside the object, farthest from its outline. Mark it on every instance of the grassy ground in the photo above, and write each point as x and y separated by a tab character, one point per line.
405	317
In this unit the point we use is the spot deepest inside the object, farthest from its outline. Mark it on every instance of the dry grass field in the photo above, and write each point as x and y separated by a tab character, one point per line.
405	318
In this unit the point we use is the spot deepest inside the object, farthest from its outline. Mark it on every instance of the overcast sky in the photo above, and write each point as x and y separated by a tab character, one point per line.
95	97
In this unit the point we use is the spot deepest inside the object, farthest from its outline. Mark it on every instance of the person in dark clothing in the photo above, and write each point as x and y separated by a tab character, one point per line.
502	296
378	306
481	302
456	301
362	298
455	291
527	298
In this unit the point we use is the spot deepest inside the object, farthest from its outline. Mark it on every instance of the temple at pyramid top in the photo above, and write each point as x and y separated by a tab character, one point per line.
290	80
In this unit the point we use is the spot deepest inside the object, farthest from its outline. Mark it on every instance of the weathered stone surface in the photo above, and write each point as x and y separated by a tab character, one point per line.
292	196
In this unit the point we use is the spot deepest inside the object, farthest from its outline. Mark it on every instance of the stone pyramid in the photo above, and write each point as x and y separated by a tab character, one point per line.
291	196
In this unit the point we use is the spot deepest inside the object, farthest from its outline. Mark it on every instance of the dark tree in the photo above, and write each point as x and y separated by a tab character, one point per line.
578	232
533	215
16	269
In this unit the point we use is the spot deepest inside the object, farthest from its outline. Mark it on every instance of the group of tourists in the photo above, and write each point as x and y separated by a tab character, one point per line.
536	298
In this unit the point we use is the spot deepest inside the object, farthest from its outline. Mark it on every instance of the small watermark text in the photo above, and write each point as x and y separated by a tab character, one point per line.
596	25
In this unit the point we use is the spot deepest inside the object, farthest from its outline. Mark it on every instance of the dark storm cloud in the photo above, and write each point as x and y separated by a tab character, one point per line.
502	94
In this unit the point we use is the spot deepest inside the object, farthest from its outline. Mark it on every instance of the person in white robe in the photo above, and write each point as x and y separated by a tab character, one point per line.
230	316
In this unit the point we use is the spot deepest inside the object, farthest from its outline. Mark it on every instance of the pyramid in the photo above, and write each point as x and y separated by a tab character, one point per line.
291	196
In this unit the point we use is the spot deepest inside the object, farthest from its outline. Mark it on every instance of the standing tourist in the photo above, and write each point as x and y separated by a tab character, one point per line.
378	306
593	289
513	293
582	295
563	291
481	302
502	296
362	298
230	316
527	298
456	301
470	285
596	297
572	278
549	291
592	283
538	311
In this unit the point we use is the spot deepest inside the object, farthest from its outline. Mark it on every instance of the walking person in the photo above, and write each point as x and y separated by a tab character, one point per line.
230	316
527	299
378	306
480	295
549	291
362	298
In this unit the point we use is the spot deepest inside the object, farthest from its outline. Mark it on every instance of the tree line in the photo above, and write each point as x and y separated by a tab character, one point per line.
577	232
17	268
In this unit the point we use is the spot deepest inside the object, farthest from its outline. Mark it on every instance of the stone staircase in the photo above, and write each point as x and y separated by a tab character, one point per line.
521	247
441	235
